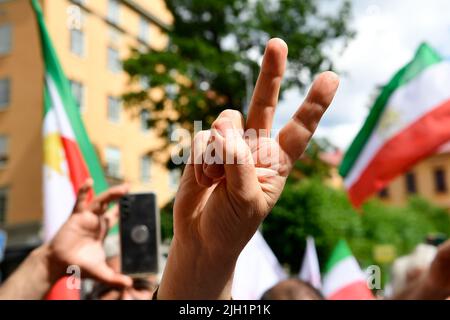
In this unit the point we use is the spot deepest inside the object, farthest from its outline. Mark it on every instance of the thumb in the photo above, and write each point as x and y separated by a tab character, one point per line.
105	274
239	167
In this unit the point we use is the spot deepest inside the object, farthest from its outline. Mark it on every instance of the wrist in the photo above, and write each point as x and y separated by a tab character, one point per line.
193	272
34	277
46	259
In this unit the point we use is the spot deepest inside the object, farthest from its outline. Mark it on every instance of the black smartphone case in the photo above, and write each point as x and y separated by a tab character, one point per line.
139	234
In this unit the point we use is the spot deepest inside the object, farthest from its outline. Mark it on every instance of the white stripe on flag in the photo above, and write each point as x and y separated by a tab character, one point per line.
59	195
62	123
59	199
344	273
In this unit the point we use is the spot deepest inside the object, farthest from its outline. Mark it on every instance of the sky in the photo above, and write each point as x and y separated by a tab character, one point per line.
388	32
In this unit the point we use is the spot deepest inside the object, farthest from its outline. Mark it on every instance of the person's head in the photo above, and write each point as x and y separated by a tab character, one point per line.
292	289
142	288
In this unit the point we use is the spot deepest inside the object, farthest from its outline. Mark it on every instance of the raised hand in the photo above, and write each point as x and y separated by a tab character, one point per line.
220	204
438	275
80	240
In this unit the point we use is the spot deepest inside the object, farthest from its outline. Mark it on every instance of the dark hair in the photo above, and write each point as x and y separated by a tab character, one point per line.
100	289
292	289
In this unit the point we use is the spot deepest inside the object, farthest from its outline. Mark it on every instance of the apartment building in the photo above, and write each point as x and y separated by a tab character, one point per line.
91	38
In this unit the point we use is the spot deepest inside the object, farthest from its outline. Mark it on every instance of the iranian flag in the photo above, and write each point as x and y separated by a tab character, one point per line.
69	157
344	279
409	121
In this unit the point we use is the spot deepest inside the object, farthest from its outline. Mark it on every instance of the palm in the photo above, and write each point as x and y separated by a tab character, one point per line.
80	240
224	204
271	180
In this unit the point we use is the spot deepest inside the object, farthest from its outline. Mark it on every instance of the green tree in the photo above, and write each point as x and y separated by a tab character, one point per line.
211	61
311	165
309	207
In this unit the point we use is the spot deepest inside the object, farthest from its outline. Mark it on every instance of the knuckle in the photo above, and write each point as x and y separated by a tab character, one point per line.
202	136
230	113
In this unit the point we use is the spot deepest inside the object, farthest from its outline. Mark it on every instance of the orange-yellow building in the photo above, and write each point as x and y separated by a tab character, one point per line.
430	179
91	38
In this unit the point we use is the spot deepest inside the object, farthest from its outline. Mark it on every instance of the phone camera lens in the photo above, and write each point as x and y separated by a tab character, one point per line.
140	234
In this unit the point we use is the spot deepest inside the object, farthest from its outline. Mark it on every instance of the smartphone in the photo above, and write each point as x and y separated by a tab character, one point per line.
139	234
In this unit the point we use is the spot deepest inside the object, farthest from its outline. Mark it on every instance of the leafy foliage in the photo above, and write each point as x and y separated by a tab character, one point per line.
212	59
311	208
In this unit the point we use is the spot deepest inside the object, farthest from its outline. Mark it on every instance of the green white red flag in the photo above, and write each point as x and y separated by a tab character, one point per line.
409	121
69	157
344	279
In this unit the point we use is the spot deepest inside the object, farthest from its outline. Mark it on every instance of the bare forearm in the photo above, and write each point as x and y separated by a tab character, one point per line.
191	275
33	279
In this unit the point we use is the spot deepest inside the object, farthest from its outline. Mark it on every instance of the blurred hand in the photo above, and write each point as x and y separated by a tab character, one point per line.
80	240
219	207
439	272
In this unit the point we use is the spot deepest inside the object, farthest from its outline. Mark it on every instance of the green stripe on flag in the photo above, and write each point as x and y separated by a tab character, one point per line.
55	71
114	230
47	100
425	57
340	252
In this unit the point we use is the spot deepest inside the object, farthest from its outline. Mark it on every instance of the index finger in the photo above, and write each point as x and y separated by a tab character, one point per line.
295	136
83	195
100	203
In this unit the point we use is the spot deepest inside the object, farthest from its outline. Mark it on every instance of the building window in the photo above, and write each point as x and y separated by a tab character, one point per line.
145	120
77	42
146	168
114	107
113	157
5	38
114	11
114	36
440	183
82	2
411	186
174	178
114	63
3	204
5	93
4	154
144	30
383	194
78	92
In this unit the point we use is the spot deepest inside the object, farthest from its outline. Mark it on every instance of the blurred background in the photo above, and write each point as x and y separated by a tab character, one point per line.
139	69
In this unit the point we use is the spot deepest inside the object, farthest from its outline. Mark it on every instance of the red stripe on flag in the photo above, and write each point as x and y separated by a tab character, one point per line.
354	291
77	166
60	291
400	153
78	172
